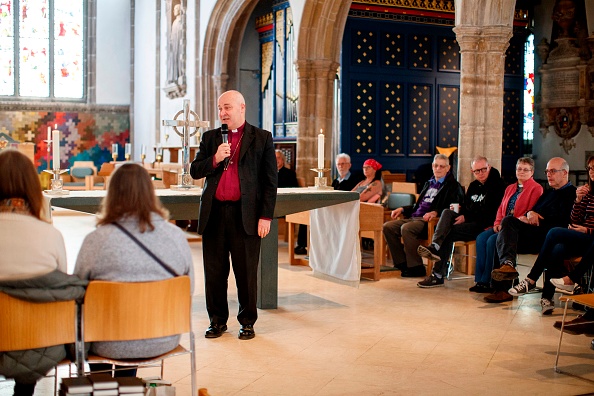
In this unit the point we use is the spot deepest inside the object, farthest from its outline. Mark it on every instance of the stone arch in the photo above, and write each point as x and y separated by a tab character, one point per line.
318	58
220	55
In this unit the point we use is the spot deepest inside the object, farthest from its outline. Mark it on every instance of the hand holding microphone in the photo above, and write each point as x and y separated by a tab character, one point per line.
224	150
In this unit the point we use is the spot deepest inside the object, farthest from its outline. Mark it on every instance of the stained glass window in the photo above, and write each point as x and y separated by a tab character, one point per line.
42	48
528	94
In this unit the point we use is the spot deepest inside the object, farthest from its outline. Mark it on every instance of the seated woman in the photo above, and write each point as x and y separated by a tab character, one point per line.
517	200
372	188
21	205
563	243
108	253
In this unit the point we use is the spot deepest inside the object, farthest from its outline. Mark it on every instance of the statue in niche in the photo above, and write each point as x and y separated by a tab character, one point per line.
176	48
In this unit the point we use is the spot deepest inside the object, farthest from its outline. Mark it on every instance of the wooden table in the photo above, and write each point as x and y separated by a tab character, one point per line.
183	205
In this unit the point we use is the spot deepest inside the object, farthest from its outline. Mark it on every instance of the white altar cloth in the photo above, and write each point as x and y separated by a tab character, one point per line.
335	253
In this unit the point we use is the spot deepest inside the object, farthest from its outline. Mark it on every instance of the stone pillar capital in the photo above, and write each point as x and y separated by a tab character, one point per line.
488	38
317	68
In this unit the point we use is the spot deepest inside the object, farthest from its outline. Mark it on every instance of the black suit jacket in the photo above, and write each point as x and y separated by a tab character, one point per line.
287	178
257	176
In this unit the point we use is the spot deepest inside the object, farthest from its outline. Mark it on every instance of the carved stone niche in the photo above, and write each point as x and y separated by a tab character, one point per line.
566	100
175	12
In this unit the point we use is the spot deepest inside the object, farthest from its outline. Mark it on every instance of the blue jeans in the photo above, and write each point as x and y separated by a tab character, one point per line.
486	248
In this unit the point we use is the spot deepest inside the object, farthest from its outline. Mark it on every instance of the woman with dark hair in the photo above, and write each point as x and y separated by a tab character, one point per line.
563	243
372	188
131	208
31	248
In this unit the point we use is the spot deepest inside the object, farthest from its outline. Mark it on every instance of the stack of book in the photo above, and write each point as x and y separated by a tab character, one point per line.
130	386
77	386
104	385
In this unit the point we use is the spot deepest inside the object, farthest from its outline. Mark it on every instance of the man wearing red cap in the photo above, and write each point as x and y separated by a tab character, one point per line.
437	194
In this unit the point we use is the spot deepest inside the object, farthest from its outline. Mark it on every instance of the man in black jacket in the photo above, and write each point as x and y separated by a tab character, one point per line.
437	194
476	213
236	209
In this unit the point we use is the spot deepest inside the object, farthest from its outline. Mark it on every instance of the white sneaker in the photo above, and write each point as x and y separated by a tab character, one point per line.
547	306
562	287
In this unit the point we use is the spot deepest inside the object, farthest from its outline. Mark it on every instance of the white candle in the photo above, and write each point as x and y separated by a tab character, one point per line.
49	133
128	149
56	146
321	149
159	149
114	148
143	150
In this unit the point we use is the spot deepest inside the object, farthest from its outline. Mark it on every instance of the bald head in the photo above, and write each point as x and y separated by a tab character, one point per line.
557	172
232	109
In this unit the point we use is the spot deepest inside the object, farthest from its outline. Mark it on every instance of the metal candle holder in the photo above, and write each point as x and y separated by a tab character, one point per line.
321	182
142	158
56	182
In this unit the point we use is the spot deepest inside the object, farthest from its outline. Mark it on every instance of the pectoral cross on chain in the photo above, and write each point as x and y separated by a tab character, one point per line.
186	124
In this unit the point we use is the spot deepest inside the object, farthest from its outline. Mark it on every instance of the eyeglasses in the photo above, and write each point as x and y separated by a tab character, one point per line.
524	169
440	166
552	171
589	168
481	170
342	164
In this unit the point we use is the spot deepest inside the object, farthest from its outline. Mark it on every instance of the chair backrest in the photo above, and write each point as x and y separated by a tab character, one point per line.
123	311
80	169
398	200
28	325
404	187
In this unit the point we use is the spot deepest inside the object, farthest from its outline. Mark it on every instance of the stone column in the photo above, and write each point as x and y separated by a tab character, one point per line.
316	90
482	52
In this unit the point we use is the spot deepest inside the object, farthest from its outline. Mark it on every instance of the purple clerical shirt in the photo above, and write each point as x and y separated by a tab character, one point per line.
229	188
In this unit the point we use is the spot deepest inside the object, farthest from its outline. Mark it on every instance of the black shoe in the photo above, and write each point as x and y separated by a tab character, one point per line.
414	272
215	330
430	281
246	332
428	252
300	250
481	288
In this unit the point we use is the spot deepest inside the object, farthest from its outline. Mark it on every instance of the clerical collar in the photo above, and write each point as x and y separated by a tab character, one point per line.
240	129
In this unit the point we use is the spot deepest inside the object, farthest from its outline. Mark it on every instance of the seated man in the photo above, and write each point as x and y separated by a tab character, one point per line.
286	177
527	233
437	194
476	214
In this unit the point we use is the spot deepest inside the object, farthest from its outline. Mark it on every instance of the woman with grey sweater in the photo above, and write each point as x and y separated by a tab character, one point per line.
109	253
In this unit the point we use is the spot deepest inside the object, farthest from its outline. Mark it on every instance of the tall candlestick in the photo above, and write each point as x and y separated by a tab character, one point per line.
114	148
49	133
56	146
128	151
321	149
143	150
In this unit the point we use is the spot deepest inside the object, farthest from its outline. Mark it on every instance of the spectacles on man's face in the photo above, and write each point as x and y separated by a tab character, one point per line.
524	169
440	166
481	170
590	168
342	164
552	171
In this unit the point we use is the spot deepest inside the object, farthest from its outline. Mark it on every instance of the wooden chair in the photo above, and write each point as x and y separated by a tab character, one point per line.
470	257
389	177
124	311
405	187
28	325
584	299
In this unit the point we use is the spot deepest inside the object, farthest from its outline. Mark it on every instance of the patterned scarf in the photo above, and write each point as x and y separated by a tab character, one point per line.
15	205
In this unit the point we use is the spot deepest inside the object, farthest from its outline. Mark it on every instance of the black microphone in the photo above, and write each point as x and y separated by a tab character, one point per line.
225	134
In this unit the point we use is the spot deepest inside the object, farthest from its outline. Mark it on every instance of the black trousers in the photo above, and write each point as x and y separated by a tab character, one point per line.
225	236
